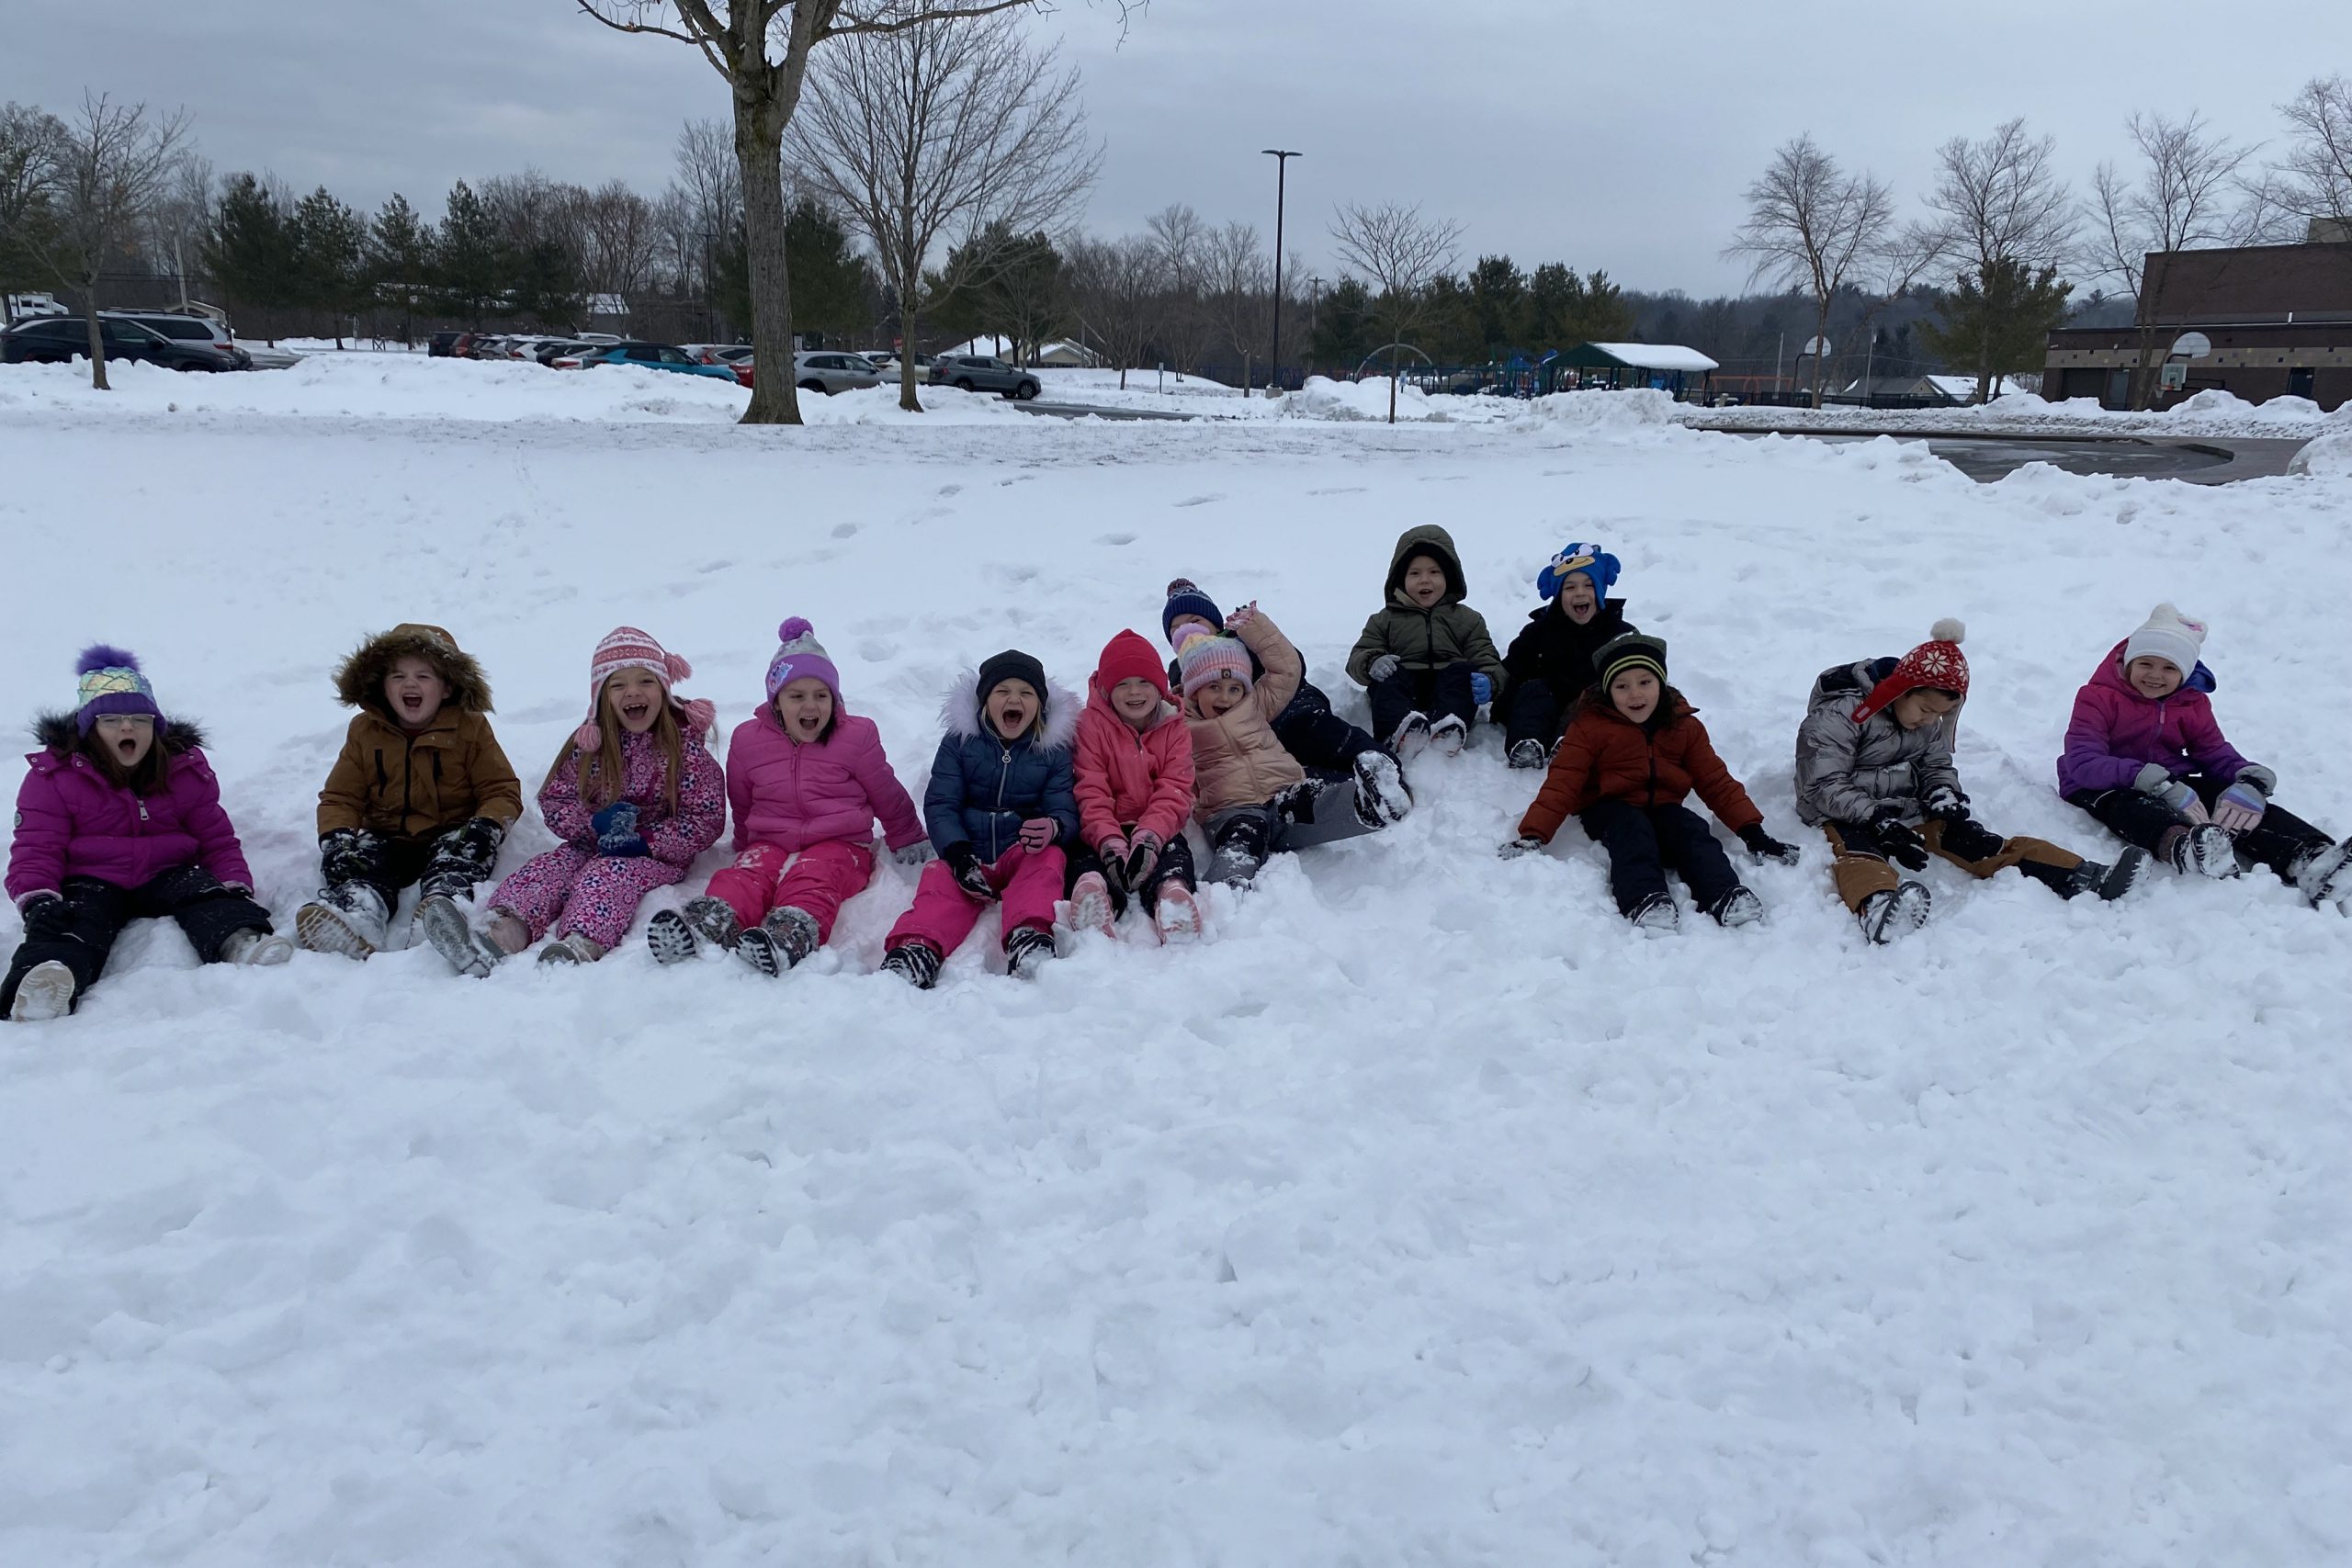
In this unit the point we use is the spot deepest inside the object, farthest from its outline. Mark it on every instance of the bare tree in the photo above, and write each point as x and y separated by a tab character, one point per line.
619	240
1182	239
1398	254
1239	288
113	166
942	135
1812	227
2313	181
30	143
1115	287
2001	201
2185	195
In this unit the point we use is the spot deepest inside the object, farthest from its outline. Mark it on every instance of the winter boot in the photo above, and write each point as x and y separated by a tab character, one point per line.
915	963
1737	908
252	947
1177	916
1089	905
1027	950
1527	754
349	919
1236	860
1449	735
672	933
1890	914
45	992
2109	882
469	952
776	943
1412	736
2323	877
2204	850
1655	915
1381	795
572	948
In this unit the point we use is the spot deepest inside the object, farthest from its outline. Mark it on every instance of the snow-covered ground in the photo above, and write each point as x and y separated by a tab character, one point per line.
2215	413
1424	1216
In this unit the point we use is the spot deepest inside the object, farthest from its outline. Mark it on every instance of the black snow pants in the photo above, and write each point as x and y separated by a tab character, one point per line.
1325	744
79	930
1646	841
2281	840
1444	689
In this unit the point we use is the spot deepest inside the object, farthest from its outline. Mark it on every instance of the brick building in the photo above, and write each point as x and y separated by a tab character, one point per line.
2278	319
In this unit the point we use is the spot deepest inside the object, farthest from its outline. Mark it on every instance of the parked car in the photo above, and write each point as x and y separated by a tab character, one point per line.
185	329
886	362
263	356
441	344
556	348
650	356
984	373
56	340
832	370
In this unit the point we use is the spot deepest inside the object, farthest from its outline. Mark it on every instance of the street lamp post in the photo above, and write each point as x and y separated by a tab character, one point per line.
1282	157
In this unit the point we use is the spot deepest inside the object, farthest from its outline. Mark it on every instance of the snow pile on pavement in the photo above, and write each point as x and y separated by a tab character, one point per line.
1598	412
1425	1215
2325	457
1322	398
2214	413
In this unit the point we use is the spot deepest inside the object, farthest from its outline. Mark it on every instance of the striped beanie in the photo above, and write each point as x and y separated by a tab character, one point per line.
1632	651
1211	657
626	647
802	657
111	682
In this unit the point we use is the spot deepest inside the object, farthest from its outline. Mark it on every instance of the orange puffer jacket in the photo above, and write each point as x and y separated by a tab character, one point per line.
1605	756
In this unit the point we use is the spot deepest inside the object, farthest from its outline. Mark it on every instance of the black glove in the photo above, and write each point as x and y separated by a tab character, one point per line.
1946	804
1763	846
970	875
346	853
480	836
1899	841
1143	859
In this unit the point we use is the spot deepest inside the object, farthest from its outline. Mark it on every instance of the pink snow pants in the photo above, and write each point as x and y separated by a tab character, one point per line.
944	914
595	895
818	881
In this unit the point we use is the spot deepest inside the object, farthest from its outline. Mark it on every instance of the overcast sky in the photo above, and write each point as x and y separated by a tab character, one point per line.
1616	136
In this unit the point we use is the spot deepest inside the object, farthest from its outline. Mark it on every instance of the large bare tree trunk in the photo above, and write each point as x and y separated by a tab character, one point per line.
97	336
759	154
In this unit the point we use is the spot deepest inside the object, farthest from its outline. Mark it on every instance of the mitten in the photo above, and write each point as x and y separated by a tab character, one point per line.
2239	808
1899	841
916	853
616	833
476	842
1383	667
2260	777
346	852
1482	688
1763	846
1525	844
1037	834
1241	617
1142	858
1947	803
2155	780
970	875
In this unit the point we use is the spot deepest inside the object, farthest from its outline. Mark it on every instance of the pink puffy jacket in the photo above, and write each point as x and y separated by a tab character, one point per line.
1126	776
793	795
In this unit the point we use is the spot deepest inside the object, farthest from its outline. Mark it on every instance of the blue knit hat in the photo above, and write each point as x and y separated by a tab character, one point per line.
1186	598
1591	559
111	683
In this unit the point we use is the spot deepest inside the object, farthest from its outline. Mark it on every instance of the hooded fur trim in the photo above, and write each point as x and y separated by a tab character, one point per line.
359	679
961	712
61	733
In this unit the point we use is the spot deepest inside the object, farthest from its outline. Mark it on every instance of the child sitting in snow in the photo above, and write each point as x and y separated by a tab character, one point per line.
1426	658
1000	808
1549	661
420	794
1326	745
2145	756
120	820
1251	797
1134	782
1632	752
635	797
806	779
1875	772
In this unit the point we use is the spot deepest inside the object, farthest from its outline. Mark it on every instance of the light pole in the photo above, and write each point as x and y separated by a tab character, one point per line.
1282	157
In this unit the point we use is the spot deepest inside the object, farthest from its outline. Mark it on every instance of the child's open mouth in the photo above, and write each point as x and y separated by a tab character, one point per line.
411	702
128	747
636	713
805	724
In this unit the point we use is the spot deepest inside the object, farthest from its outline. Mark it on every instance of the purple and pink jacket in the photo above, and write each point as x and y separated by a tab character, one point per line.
793	794
673	839
72	820
2114	732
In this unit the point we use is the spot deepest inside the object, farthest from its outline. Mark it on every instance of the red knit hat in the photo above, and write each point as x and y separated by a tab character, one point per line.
1936	664
626	647
1127	656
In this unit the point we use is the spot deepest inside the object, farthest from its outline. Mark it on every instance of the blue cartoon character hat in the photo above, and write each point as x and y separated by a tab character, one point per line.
1591	559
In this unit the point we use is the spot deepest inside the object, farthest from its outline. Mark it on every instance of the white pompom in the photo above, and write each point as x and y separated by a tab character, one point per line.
1946	630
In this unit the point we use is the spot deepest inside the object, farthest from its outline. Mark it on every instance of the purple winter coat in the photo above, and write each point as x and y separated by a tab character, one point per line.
2116	732
72	821
675	839
793	796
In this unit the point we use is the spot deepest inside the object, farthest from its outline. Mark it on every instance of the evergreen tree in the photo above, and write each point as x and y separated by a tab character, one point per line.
471	271
1997	321
1343	334
1499	300
400	261
829	278
543	283
249	248
329	242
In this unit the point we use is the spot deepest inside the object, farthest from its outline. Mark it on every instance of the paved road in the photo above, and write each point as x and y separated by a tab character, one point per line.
1079	410
2204	460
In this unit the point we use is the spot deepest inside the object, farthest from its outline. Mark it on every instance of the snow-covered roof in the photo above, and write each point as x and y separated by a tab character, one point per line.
989	344
1655	355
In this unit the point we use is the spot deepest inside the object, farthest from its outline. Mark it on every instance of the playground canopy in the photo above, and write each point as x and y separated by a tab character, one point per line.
1662	364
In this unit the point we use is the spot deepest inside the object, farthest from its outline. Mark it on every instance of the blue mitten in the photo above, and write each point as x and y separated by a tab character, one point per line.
1482	688
617	831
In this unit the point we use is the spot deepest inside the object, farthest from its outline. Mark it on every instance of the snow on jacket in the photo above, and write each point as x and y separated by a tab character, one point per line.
982	787
792	794
72	820
1448	632
1848	772
2116	731
1554	650
388	781
673	839
1237	759
1129	777
1606	756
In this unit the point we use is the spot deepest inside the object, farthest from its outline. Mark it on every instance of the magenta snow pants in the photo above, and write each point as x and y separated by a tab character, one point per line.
944	914
595	895
818	881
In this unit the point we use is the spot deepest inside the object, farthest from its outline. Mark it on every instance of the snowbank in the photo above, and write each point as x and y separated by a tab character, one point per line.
1322	398
2207	414
2327	457
1615	412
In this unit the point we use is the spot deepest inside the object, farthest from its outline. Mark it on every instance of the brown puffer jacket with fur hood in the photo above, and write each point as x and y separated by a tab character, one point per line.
407	784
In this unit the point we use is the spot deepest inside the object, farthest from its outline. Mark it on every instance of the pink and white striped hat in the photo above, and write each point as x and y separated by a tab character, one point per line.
626	647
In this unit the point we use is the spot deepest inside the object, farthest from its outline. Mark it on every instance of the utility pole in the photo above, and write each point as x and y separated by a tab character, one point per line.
1282	157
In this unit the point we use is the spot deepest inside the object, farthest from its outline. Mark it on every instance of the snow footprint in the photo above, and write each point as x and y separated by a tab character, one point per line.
1201	500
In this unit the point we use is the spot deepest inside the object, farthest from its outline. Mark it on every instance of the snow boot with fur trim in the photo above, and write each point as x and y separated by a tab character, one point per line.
349	919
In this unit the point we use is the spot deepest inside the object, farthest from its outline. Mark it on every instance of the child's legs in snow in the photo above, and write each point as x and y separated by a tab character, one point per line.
941	915
1175	865
396	863
1860	868
535	891
209	913
1636	867
79	932
1981	852
2279	841
823	877
605	894
2134	818
747	884
1321	740
1405	691
1533	712
1449	693
1691	847
1028	884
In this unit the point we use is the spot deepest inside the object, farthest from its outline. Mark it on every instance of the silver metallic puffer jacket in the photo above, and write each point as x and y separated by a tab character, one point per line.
1848	772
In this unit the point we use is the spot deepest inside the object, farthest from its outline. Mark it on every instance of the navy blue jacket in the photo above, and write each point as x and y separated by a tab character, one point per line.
983	788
